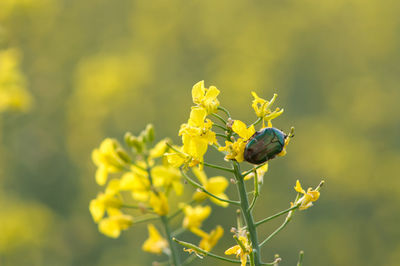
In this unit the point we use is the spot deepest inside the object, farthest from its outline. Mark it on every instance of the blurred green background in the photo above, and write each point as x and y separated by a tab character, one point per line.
100	68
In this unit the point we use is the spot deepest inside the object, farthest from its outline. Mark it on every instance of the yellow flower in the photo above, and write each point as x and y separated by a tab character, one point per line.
235	150
155	243
138	183
210	240
197	134
112	225
215	185
167	177
159	203
206	98
239	252
13	92
262	108
308	197
109	158
105	202
194	217
260	173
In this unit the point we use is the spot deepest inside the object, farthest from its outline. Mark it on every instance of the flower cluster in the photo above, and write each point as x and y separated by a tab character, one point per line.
197	133
139	182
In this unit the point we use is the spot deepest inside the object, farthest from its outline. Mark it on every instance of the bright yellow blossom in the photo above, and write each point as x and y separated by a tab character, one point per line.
215	185
197	134
206	98
155	243
138	184
159	203
106	201
112	225
194	217
210	240
239	252
103	202
167	177
308	197
235	150
262	108
109	158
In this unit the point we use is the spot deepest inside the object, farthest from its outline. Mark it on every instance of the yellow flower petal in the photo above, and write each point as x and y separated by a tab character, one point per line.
155	243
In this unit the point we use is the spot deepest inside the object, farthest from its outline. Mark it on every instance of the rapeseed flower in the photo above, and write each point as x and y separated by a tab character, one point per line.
205	98
239	251
235	150
306	201
215	185
262	108
155	243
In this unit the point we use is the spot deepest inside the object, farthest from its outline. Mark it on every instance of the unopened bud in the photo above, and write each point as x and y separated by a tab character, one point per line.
149	132
123	155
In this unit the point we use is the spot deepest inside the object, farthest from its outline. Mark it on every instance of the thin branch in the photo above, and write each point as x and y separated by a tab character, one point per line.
197	185
219	118
256	191
276	215
218	167
224	110
202	252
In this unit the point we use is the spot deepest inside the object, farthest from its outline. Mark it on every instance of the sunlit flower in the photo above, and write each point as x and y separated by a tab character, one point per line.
210	240
308	197
105	202
239	252
114	224
167	177
235	150
194	217
109	158
155	243
262	108
215	185
159	203
260	173
159	149
197	134
206	98
138	183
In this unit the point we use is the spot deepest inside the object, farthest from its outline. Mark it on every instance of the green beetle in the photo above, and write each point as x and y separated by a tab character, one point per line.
264	145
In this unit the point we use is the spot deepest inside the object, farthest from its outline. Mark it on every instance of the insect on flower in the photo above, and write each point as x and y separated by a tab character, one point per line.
264	145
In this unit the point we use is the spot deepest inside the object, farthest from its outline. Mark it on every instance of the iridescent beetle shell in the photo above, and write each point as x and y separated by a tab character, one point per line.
264	145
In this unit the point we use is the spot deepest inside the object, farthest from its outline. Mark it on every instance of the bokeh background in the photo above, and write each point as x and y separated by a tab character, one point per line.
74	72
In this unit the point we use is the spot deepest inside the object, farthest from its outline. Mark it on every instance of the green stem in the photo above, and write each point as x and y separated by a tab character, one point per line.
218	167
174	256
219	126
287	220
300	262
221	135
201	251
219	118
256	192
145	219
247	214
197	185
224	110
252	169
257	121
276	215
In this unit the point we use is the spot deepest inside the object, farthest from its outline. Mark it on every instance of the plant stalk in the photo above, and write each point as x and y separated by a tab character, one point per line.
251	227
174	259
